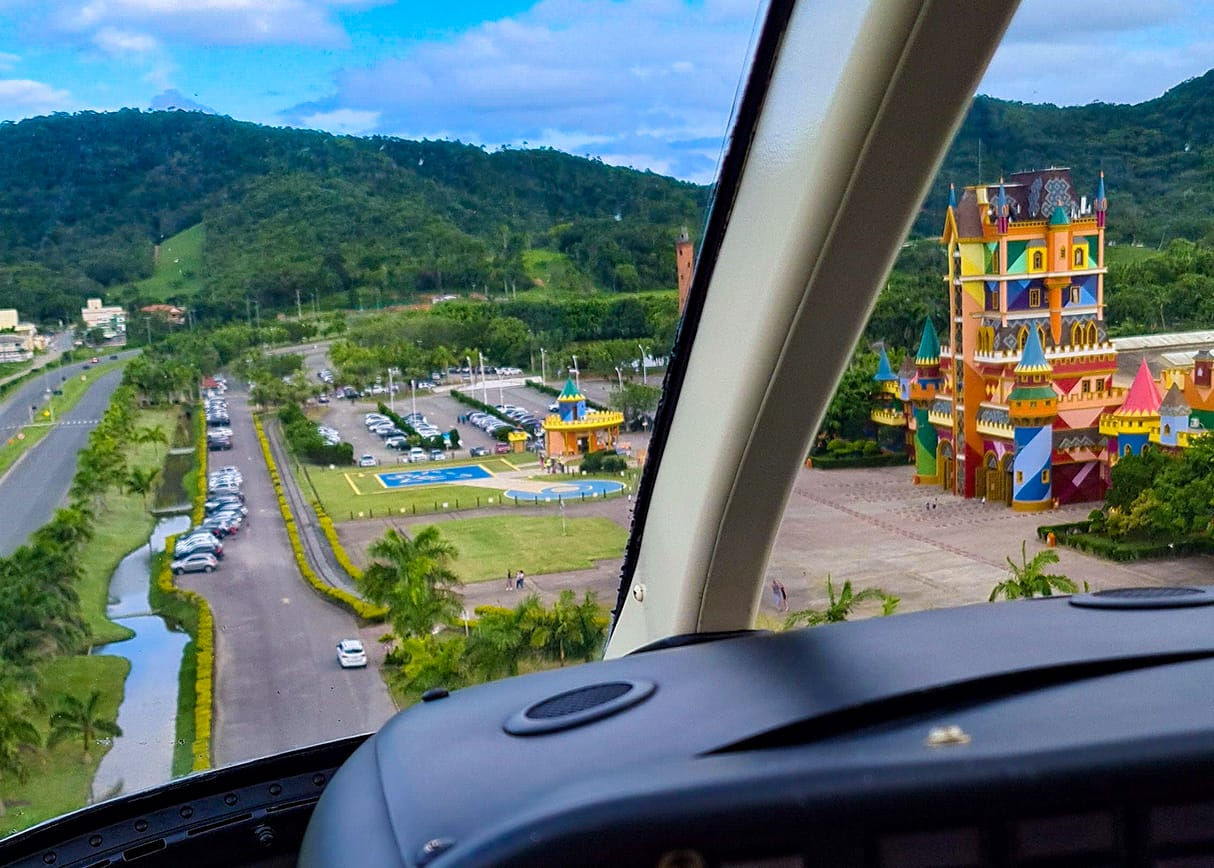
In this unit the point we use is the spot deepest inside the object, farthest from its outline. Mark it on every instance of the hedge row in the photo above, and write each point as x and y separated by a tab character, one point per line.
1065	529
339	551
1132	550
201	478
204	656
361	608
826	461
556	393
416	439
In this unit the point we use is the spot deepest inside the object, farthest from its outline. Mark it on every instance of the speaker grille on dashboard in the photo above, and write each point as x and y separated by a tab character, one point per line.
579	706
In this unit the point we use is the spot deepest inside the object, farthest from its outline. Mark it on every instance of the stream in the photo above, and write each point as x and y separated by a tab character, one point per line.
142	756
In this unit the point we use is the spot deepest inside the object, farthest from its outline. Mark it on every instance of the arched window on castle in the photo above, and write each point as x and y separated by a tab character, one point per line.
1076	334
1093	336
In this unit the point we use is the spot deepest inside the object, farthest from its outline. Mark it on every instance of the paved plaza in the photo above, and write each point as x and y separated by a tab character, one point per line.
874	527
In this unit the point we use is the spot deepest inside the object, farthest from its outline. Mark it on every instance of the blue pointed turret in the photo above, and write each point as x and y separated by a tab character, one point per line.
952	197
1101	205
885	373
929	345
1003	211
1033	360
1059	218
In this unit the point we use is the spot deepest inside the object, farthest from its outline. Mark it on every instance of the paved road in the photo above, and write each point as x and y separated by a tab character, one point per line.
39	481
279	685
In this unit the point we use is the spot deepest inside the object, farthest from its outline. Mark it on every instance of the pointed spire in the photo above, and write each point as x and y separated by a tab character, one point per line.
1143	397
1174	403
1101	205
952	197
885	374
1033	360
1059	217
1003	212
570	392
929	345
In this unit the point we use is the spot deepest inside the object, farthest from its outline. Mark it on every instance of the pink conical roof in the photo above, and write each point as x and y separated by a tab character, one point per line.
1143	398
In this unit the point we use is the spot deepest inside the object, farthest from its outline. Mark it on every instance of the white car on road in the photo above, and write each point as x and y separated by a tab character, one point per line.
351	654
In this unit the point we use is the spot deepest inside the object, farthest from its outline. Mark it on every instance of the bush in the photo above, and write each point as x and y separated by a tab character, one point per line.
603	462
305	441
829	461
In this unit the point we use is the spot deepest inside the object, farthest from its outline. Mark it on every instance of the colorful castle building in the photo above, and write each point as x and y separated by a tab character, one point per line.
1018	403
574	430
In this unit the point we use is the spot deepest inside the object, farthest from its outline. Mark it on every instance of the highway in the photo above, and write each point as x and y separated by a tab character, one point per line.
38	483
278	683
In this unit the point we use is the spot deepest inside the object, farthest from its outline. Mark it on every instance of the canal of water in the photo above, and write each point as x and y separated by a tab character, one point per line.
142	756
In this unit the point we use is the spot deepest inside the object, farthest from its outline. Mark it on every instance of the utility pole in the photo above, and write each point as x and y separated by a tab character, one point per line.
543	368
484	384
644	369
298	305
577	375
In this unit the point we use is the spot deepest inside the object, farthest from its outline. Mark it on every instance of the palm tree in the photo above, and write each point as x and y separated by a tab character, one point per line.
83	720
1026	578
571	629
498	640
141	481
415	583
19	740
431	661
840	607
150	434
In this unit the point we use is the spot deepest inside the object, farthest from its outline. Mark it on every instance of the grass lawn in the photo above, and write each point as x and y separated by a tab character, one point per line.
349	491
61	781
490	545
14	447
179	270
123	524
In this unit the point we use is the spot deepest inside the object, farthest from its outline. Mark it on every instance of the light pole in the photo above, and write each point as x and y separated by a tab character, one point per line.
391	390
484	384
413	396
543	367
644	370
577	375
619	377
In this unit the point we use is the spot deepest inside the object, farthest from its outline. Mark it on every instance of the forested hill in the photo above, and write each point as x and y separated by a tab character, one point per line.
84	197
1157	156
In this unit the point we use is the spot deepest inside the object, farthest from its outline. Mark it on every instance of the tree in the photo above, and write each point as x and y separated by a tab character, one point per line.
19	740
839	608
150	434
1026	579
412	577
141	481
571	629
83	720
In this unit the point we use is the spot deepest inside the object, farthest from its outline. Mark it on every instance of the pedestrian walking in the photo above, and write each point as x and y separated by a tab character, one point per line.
518	581
782	606
509	580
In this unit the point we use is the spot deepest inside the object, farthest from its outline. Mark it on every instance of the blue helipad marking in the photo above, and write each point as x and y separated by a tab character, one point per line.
590	488
432	476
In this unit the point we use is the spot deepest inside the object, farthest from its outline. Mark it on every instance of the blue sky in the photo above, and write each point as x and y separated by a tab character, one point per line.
646	83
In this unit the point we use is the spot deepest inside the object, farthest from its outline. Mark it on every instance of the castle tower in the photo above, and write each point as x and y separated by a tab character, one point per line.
1032	408
1130	426
1174	413
571	403
923	391
1201	367
684	261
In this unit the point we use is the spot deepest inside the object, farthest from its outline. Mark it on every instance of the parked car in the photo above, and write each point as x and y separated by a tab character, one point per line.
438	455
351	654
417	454
478	451
501	449
368	461
198	562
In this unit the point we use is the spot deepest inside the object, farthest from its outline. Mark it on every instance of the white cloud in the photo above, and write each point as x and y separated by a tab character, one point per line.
1073	52
582	75
8	61
22	97
352	122
112	40
213	22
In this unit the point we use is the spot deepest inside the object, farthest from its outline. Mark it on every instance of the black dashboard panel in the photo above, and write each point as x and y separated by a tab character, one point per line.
1028	733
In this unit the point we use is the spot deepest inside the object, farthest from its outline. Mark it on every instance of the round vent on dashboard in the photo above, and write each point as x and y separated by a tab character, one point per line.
1144	598
577	707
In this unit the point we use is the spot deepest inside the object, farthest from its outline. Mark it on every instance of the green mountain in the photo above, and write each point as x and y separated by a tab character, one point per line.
277	215
1157	157
289	214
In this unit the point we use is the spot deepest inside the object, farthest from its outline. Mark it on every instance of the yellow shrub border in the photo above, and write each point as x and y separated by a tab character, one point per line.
361	608
204	656
339	551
